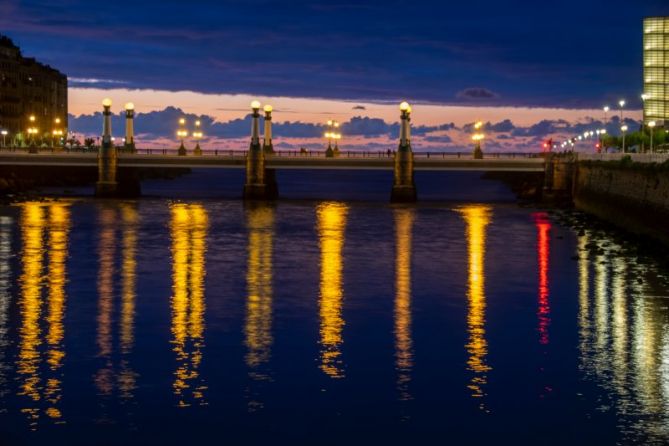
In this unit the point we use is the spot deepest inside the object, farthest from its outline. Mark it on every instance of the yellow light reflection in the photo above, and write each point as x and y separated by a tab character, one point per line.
33	223
189	231
331	230
40	384
625	351
258	327
107	218
127	377
6	225
59	222
584	292
403	343
477	217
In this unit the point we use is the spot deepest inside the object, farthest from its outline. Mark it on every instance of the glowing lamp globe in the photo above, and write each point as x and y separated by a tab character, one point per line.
268	108
106	102
255	105
129	106
404	106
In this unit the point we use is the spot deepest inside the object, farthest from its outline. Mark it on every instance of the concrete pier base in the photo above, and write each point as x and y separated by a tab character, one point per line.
403	194
106	189
257	192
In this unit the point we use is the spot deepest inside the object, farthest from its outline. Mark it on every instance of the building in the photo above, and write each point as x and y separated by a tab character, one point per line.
30	89
656	70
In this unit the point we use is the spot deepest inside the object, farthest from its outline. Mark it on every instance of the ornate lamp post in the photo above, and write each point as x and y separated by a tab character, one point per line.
197	135
107	159
130	128
478	136
268	148
182	133
328	152
404	189
336	136
255	187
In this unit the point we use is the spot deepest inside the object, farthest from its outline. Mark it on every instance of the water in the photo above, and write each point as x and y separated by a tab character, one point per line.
194	321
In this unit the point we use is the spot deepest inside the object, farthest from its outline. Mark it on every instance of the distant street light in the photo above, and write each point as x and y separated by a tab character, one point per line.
182	133
651	125
197	135
4	135
623	129
331	135
644	98
621	103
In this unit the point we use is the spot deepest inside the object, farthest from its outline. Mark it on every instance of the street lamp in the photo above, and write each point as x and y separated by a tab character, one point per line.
621	103
644	97
56	133
129	140
182	133
651	125
197	135
4	135
331	134
623	129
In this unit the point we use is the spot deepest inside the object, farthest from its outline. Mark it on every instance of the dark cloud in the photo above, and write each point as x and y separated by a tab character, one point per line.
436	50
442	138
359	107
476	94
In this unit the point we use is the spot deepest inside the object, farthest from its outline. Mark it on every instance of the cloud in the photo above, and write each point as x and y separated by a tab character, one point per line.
88	81
359	107
157	128
476	94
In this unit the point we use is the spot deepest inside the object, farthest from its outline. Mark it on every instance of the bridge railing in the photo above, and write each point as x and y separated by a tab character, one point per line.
636	157
355	154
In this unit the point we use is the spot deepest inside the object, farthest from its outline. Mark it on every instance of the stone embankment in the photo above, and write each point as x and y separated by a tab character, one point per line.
633	196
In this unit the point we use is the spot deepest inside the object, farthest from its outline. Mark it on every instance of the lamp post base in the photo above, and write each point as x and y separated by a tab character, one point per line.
106	189
182	150
197	150
403	194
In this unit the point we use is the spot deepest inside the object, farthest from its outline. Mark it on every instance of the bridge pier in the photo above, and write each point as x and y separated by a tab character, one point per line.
404	189
558	179
106	185
256	187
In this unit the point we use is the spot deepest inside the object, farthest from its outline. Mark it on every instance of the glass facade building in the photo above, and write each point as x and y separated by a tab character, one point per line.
656	70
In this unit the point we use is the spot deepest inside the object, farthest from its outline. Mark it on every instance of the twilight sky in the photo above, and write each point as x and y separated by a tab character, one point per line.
525	61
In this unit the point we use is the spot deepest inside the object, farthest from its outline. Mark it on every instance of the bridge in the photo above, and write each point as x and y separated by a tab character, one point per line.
227	159
260	161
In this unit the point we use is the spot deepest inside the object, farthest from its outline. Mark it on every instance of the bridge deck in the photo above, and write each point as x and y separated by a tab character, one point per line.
380	162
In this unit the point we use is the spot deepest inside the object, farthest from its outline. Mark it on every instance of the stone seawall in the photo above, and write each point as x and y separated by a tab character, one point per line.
633	196
22	179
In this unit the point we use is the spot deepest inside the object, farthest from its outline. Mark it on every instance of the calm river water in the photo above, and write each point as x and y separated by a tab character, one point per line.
462	319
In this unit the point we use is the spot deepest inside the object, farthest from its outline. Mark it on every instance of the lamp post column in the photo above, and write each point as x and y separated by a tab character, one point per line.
130	128
404	189
268	148
255	187
106	185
